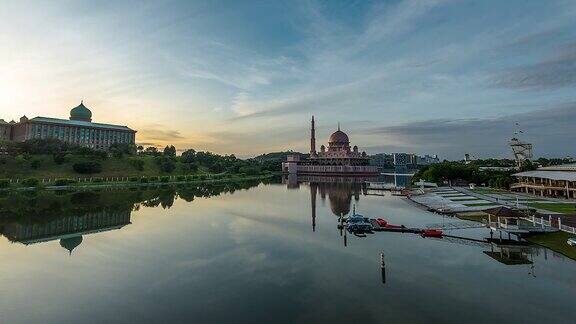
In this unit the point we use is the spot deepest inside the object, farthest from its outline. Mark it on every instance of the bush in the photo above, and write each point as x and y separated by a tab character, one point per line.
250	170
97	180
87	167
191	178
133	179
63	182
153	178
164	179
35	163
30	182
4	183
88	152
144	180
189	167
59	158
201	177
180	178
137	163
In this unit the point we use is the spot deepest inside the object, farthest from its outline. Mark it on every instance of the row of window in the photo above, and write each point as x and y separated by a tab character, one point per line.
80	135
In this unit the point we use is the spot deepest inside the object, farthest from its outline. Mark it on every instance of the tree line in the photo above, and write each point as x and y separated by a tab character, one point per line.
88	161
448	171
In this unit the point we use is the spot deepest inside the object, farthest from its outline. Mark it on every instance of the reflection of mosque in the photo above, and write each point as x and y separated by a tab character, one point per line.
338	190
68	229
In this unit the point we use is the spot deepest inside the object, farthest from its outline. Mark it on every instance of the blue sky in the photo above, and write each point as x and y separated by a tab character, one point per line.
244	77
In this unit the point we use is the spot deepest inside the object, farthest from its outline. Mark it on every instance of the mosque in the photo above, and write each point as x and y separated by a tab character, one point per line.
336	159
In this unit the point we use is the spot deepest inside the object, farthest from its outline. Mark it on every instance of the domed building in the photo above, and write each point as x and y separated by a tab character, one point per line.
81	113
339	158
78	129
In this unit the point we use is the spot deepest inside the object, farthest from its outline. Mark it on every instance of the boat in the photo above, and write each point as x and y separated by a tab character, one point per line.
384	224
357	223
432	233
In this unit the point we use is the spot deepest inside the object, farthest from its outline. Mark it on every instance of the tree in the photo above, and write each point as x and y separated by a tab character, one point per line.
188	156
527	165
151	150
170	151
120	149
165	164
190	167
43	146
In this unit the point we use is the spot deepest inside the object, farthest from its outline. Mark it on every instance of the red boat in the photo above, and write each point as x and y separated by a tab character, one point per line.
381	222
432	233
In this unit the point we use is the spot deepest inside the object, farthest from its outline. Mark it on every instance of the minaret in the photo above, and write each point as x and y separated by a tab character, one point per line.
313	139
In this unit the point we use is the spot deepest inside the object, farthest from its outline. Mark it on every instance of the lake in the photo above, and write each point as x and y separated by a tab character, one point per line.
254	252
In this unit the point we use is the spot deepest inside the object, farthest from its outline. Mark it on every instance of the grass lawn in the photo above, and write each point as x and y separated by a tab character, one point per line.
564	208
487	190
481	204
556	242
473	216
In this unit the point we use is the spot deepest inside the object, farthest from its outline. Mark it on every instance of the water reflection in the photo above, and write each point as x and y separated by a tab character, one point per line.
343	192
254	254
37	217
68	229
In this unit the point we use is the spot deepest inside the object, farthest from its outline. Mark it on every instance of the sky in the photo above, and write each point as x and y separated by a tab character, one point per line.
244	77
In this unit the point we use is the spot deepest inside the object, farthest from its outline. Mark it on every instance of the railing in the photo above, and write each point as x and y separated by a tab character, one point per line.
537	185
550	223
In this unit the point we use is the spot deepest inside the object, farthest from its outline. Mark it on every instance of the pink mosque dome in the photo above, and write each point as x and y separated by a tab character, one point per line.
339	137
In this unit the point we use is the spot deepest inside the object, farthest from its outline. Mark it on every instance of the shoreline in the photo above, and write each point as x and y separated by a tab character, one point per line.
128	184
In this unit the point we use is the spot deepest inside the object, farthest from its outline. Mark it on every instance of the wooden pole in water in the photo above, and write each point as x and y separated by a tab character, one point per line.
382	268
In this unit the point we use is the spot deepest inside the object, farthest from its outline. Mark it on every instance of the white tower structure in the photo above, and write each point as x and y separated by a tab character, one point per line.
522	150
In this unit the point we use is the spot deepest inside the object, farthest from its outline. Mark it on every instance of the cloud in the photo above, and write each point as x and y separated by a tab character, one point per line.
553	72
550	130
157	132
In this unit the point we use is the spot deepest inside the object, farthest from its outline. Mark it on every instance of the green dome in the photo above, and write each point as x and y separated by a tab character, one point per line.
81	113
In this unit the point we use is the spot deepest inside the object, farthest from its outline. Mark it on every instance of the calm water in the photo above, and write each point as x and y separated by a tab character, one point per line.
254	253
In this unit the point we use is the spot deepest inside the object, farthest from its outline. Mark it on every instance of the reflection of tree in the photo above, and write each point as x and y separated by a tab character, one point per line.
45	205
43	216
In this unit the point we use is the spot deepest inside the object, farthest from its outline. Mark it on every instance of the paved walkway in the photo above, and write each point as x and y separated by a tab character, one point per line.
503	202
